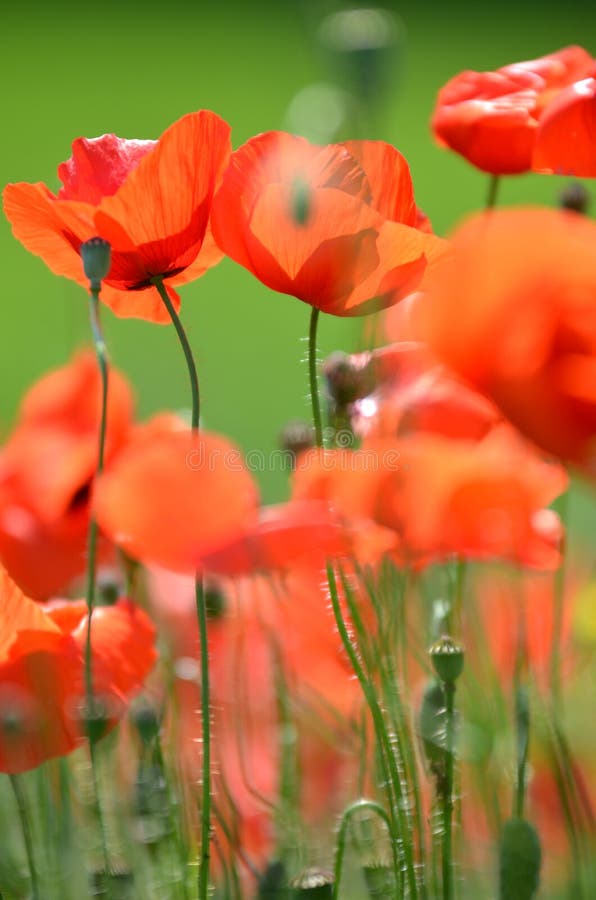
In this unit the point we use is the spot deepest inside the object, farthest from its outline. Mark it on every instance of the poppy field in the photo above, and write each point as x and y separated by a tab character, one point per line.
297	590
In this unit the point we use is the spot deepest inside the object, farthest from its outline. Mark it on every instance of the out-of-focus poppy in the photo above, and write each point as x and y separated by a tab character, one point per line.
150	199
306	221
172	496
515	315
566	138
273	640
284	538
442	497
46	470
42	685
491	118
411	392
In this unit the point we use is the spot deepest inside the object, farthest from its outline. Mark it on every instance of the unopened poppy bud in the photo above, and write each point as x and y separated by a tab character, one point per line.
273	883
97	259
520	860
215	601
117	883
380	880
146	720
94	720
346	380
301	201
296	437
447	658
575	197
431	724
315	882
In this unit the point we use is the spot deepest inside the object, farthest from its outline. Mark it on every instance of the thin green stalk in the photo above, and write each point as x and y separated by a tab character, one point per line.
312	372
102	362
493	190
397	811
370	696
91	712
354	808
558	608
447	796
205	852
186	349
20	797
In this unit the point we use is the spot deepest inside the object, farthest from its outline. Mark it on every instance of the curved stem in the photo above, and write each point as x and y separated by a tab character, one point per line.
19	793
312	373
343	828
380	730
90	711
186	349
449	690
102	362
493	190
201	618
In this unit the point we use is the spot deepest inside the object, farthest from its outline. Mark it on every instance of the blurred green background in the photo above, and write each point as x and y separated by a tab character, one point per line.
73	69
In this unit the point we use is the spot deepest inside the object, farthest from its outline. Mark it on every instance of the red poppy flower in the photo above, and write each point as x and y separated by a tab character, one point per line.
411	392
442	497
515	314
42	652
46	469
566	138
172	496
150	199
305	220
491	118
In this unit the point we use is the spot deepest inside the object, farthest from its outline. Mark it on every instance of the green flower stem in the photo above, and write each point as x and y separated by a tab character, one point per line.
102	362
493	190
186	349
205	851
354	808
21	799
447	797
90	711
312	372
397	807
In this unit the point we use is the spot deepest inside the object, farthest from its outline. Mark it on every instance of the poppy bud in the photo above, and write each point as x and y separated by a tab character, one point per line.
97	259
431	724
575	198
273	882
146	720
519	863
296	437
215	601
447	658
94	719
380	881
116	884
346	380
316	882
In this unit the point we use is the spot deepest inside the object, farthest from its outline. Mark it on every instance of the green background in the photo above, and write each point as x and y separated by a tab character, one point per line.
85	69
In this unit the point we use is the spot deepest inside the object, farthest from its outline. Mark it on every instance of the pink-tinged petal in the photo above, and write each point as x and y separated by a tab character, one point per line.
99	166
164	203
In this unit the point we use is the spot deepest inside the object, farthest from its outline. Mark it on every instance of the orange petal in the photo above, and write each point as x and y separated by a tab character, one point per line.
98	166
277	158
18	614
566	139
388	175
173	498
164	203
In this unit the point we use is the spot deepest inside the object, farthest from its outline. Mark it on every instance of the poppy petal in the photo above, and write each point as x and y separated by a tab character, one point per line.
98	166
165	201
388	175
173	498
